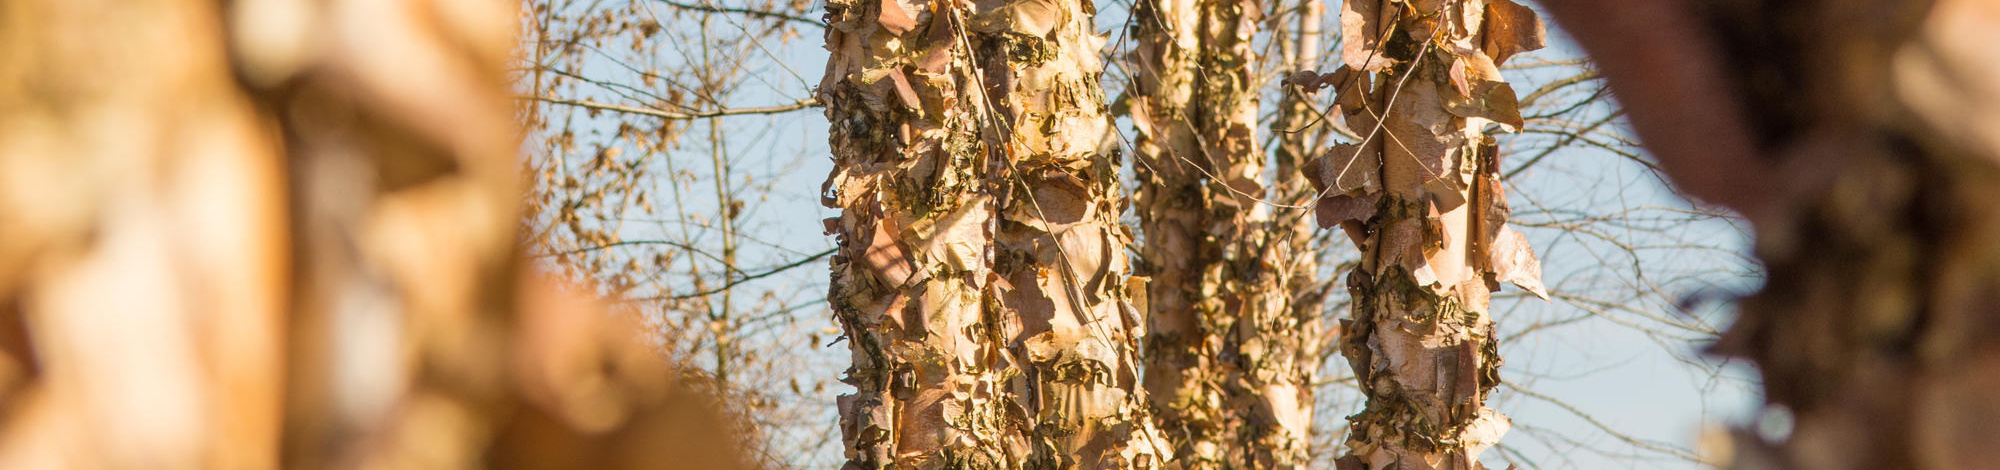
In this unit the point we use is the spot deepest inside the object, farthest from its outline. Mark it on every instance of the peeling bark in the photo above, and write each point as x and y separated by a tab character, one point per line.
981	278
1229	358
1421	197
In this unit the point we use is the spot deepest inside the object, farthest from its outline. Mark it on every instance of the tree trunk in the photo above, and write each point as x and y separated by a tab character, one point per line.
982	277
1862	139
1421	197
225	249
1229	359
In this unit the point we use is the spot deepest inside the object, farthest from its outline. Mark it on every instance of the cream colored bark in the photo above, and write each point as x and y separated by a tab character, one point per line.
1229	358
1420	196
982	277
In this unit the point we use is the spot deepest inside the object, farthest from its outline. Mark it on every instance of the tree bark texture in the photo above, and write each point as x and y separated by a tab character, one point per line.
1867	157
1230	355
278	234
1420	195
982	280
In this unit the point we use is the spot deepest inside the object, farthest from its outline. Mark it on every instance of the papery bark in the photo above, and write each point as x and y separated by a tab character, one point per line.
1230	355
1421	197
982	278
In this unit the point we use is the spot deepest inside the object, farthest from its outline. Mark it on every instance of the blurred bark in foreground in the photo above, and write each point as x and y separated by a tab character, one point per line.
282	233
1862	138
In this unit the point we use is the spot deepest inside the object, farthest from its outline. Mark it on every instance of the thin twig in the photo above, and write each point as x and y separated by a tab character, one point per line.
746	278
746	12
661	113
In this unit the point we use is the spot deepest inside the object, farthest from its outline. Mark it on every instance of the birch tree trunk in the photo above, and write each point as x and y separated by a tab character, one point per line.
982	277
1420	195
1229	358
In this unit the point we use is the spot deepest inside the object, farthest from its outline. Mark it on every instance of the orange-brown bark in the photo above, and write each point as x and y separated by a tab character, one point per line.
982	276
1421	197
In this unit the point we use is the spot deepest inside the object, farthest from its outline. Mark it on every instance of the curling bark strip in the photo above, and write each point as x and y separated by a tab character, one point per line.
981	279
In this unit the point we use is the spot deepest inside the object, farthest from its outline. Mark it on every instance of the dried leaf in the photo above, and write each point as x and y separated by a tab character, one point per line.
1511	28
1514	261
896	19
1361	31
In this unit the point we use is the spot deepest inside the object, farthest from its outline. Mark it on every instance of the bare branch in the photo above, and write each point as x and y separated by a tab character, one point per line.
661	113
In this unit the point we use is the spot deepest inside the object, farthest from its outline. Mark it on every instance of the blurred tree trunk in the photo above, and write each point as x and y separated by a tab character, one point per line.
981	279
1420	196
1285	325
1228	357
1862	139
267	233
